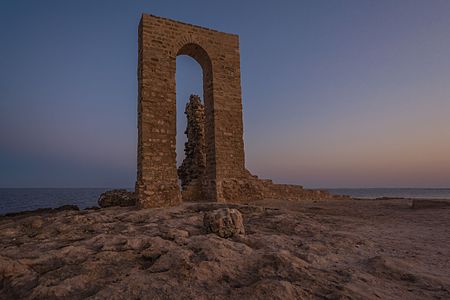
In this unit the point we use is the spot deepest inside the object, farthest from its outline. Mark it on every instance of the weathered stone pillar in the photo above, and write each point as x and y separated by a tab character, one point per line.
192	170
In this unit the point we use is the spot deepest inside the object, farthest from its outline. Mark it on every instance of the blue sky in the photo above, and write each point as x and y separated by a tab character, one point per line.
335	93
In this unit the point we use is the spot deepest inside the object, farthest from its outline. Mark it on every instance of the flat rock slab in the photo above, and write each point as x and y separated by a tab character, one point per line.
313	249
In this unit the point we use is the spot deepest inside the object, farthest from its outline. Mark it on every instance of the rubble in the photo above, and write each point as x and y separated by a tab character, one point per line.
225	222
117	197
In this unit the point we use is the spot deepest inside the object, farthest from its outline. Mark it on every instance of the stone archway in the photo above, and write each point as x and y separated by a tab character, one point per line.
160	41
198	191
225	179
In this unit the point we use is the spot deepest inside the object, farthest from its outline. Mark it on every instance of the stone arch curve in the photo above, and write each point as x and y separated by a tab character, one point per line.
160	42
198	53
197	190
201	56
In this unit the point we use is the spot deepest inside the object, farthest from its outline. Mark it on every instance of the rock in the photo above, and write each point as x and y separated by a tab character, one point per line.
152	254
289	251
119	197
92	208
16	279
41	211
37	223
224	222
66	207
192	170
426	203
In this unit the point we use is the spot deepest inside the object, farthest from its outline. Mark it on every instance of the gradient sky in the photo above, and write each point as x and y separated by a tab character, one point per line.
335	93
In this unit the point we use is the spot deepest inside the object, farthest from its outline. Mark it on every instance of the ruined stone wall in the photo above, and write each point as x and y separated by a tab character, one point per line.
224	177
192	170
160	41
247	188
251	188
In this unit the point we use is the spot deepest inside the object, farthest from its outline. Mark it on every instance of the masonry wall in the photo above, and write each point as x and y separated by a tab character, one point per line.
160	41
224	177
191	173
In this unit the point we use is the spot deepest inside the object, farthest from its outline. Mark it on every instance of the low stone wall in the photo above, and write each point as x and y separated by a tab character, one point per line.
244	189
251	188
295	192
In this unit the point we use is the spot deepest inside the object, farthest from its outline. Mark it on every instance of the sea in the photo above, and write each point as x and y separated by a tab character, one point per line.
24	199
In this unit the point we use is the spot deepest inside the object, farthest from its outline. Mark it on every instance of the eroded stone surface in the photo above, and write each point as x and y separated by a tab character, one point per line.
224	222
118	197
192	171
338	249
434	203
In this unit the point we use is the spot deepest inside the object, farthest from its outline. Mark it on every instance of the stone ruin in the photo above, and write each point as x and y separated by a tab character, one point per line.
214	167
192	170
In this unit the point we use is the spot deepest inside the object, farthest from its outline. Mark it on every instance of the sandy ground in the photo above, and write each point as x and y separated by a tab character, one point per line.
337	249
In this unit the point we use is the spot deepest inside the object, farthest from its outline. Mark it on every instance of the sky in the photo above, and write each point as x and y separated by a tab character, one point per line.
351	93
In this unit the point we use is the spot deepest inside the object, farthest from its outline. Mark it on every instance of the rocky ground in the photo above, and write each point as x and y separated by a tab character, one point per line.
355	249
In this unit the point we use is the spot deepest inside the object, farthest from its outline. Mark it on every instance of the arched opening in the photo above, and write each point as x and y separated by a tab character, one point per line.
188	82
193	119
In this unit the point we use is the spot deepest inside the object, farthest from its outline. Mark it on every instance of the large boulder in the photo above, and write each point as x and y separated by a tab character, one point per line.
224	222
119	197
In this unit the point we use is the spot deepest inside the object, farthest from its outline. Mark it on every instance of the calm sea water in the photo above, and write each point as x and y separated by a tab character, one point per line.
15	200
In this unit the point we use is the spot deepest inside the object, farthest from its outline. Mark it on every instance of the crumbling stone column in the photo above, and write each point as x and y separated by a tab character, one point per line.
192	170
